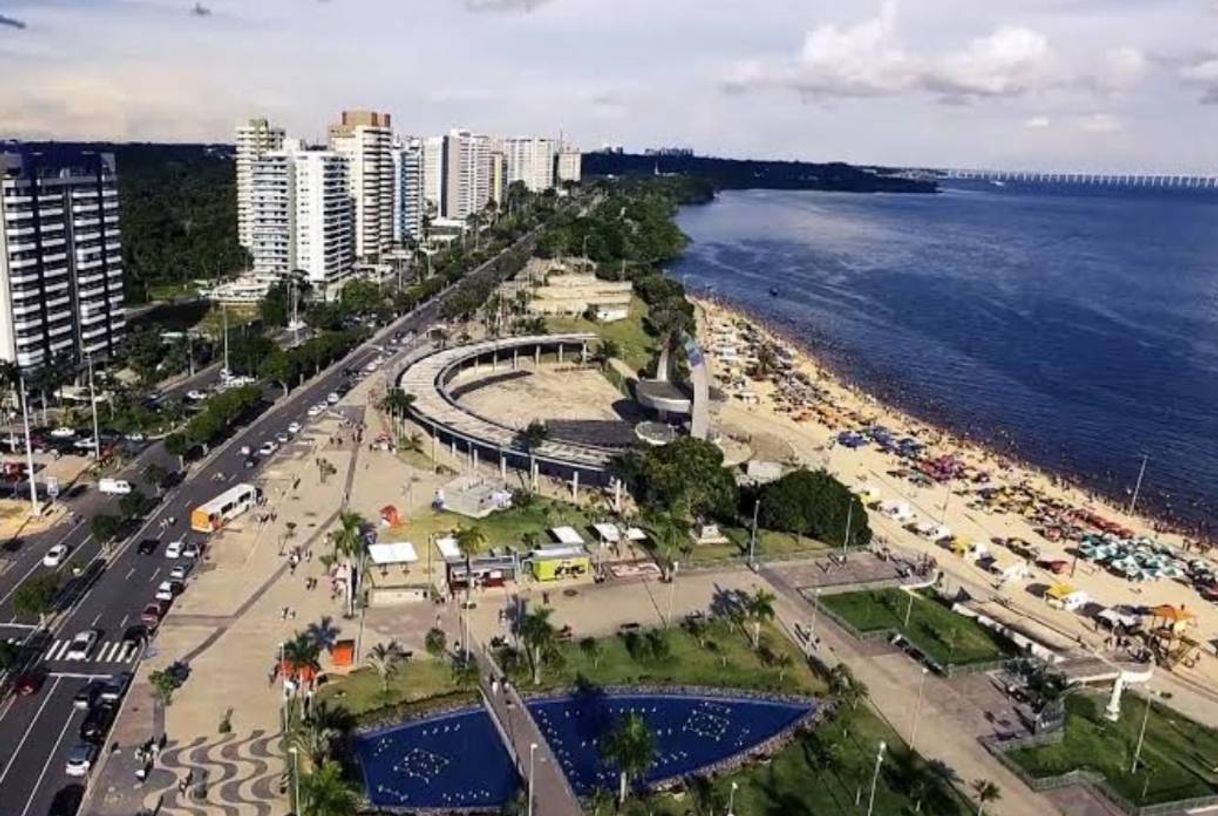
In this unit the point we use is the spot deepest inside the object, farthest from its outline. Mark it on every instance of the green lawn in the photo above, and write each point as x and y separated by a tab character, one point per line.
418	679
1179	756
500	528
769	543
821	774
637	346
944	636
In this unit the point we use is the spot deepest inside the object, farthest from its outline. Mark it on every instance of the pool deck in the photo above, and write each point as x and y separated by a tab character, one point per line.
552	791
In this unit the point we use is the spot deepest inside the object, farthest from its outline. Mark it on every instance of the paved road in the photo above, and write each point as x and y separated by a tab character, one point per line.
39	730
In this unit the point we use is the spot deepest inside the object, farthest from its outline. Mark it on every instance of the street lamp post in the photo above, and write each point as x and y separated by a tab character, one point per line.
913	732
815	609
672	591
1137	752
731	800
29	446
875	776
296	780
532	754
753	533
93	405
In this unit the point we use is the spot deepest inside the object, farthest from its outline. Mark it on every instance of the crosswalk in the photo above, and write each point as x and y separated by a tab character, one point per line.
108	651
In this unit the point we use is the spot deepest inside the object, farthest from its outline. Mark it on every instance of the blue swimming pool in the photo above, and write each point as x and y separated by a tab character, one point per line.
456	759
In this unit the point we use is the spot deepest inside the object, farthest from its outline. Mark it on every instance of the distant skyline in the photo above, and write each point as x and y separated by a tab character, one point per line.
1049	84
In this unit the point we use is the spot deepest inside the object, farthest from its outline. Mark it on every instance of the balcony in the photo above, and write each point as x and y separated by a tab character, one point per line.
62	328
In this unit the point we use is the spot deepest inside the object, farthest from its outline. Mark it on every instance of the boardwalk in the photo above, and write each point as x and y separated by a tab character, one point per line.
552	794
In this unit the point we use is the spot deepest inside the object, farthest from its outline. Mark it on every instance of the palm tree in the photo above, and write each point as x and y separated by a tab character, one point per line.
464	670
591	647
985	791
539	637
384	659
606	351
325	792
300	654
760	610
315	736
531	438
631	746
845	686
469	541
669	536
156	476
396	403
350	544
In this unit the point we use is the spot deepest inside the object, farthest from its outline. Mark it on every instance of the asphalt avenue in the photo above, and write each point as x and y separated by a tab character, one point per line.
39	730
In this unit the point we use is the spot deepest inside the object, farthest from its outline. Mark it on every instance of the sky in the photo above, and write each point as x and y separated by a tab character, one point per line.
1090	85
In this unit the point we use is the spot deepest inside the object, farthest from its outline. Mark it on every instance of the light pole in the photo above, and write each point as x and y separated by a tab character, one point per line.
815	609
1137	488
753	533
846	534
29	446
532	754
913	732
672	591
731	800
296	780
228	372
93	405
875	776
1137	752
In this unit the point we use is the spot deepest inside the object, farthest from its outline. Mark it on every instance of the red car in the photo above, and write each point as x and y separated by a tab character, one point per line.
28	682
153	612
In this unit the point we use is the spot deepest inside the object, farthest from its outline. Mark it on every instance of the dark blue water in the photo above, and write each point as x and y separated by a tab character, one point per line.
1078	329
456	760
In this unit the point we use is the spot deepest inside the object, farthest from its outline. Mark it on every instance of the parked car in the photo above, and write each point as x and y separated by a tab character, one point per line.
314	410
81	645
174	548
87	443
246	450
96	723
63	433
168	590
29	682
80	759
134	436
55	556
333	398
113	689
191	551
135	635
87	696
195	395
67	801
282	438
179	572
294	428
268	448
153	612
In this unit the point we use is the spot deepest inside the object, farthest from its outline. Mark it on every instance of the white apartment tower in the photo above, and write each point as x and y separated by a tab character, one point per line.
568	165
324	216
61	269
409	202
433	174
467	174
302	214
366	139
255	138
529	160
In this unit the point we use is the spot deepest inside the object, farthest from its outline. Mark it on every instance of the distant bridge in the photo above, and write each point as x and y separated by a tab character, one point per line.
1175	182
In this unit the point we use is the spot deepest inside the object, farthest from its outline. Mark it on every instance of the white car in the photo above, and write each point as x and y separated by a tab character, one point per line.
80	759
332	398
314	410
85	444
81	645
55	555
282	438
191	551
135	436
268	447
246	450
174	549
196	395
294	428
372	366
179	573
63	433
167	591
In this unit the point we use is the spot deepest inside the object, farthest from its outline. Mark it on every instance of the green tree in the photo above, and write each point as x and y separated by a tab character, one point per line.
164	683
759	610
157	476
384	659
177	445
668	537
685	478
606	351
436	642
301	655
105	528
539	637
846	687
631	746
35	597
814	503
325	792
280	368
273	308
986	792
133	505
350	544
591	647
469	541
464	670
316	735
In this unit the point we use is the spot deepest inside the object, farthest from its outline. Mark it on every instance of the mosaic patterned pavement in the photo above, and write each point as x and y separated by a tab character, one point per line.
232	776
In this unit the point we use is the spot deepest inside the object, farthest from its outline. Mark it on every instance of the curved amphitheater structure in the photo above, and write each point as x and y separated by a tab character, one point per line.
483	439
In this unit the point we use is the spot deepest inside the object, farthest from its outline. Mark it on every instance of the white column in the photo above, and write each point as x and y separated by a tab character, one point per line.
515	358
574	485
537	356
617	495
454	441
1113	711
560	353
502	466
495	360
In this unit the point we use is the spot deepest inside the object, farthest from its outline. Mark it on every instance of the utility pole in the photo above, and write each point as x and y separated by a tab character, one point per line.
879	759
913	733
93	405
1137	488
29	445
224	317
753	534
672	591
849	520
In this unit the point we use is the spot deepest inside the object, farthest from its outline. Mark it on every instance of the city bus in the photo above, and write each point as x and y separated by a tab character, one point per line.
207	518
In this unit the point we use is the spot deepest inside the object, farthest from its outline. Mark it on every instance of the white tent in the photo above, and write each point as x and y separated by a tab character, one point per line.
392	552
609	533
448	548
567	535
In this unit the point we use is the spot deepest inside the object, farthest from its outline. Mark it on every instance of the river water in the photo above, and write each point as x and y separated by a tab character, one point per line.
1076	328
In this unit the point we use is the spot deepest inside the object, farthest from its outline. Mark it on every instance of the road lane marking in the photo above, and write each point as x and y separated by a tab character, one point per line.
123	623
56	650
95	620
54	750
26	735
154	574
130	572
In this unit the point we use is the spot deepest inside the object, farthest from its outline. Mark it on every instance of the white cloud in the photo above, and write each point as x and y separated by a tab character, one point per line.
1037	122
1203	73
1008	62
1100	123
524	6
1123	67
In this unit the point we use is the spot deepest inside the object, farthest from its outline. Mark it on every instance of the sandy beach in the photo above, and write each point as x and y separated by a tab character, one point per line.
1022	504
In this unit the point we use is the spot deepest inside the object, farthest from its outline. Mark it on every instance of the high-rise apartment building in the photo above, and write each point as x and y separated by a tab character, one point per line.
61	269
324	216
498	177
408	200
366	139
433	174
529	160
467	177
568	165
302	215
255	138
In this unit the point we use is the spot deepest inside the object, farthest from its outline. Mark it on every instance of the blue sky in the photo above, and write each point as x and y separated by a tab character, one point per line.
1067	84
